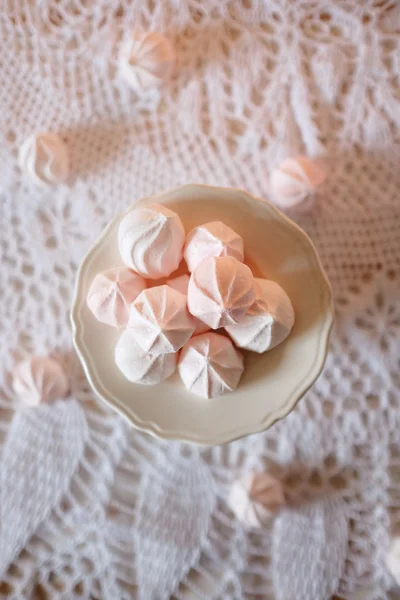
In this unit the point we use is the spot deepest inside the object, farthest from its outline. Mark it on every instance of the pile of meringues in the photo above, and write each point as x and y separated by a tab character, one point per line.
183	322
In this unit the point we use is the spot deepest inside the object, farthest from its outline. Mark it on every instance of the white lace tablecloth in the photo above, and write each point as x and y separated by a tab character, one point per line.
89	507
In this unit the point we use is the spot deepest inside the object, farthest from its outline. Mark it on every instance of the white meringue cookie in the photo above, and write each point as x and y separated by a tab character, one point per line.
44	157
160	320
40	379
140	366
111	294
220	291
146	60
150	241
211	239
181	284
210	365
255	498
294	182
268	321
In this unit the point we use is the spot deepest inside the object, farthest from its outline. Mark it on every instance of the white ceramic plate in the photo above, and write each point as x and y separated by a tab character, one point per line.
272	382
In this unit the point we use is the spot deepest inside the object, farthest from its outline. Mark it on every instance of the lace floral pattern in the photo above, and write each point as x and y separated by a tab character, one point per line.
255	83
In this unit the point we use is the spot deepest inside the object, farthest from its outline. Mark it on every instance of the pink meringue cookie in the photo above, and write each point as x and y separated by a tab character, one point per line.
40	379
210	365
140	366
211	239
150	240
294	182
146	60
111	294
160	320
268	321
181	284
256	498
221	290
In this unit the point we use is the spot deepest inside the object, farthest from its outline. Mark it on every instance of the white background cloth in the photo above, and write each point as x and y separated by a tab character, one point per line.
80	490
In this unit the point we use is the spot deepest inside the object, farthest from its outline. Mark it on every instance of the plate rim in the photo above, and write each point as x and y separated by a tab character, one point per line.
270	419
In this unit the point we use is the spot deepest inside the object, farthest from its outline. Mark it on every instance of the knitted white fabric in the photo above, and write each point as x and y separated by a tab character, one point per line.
91	508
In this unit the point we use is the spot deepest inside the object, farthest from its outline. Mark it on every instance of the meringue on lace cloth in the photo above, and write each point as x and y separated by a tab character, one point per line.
254	84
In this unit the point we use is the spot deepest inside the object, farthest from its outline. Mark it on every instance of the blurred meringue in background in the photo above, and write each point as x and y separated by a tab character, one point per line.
294	182
256	498
40	379
44	157
146	61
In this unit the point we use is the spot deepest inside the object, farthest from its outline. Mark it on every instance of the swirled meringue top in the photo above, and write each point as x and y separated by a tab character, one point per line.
44	157
150	241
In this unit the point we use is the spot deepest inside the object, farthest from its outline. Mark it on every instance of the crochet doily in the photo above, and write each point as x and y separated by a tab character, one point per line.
91	508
